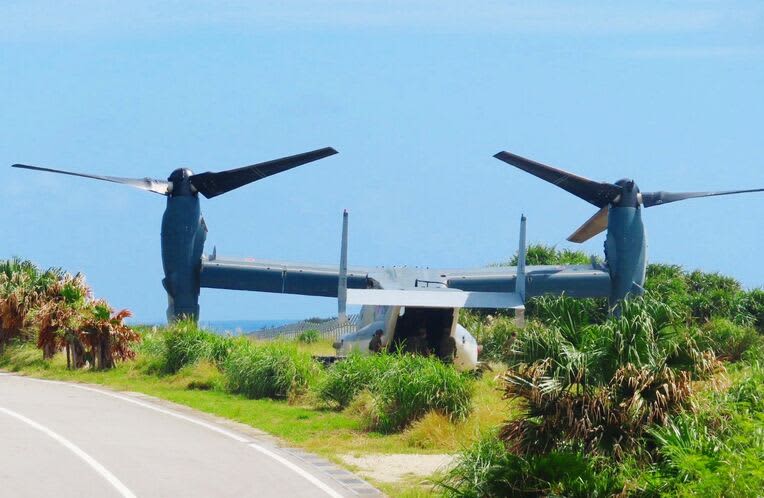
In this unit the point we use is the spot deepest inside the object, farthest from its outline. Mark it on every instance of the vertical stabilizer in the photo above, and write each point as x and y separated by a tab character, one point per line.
520	281
342	290
521	254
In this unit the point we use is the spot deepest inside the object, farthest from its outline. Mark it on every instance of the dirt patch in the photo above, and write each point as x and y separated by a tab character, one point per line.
393	468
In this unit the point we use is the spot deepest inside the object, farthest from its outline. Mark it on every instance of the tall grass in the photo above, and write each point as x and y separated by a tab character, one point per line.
729	340
184	343
416	386
269	370
487	470
403	388
345	379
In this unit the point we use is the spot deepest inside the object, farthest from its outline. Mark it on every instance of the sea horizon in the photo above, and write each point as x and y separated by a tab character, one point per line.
234	327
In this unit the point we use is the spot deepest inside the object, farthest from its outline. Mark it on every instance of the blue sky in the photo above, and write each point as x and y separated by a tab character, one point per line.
416	95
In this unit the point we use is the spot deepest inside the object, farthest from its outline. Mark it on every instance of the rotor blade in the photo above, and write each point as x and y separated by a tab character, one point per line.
212	184
650	199
148	184
593	226
599	194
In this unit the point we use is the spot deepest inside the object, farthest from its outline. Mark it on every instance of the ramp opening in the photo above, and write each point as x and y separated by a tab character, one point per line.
425	331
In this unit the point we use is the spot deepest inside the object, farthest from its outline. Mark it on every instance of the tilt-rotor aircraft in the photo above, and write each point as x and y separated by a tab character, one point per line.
405	303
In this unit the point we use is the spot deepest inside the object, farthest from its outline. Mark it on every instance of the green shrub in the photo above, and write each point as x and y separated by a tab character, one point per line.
269	370
567	313
728	340
487	470
540	254
345	379
185	344
701	457
599	387
151	351
19	355
495	334
309	336
403	388
417	385
747	394
753	303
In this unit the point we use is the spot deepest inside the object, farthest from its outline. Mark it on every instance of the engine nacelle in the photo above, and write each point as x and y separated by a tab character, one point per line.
626	253
183	236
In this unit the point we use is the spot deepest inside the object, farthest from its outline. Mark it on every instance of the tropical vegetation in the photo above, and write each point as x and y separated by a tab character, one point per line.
665	399
57	311
662	400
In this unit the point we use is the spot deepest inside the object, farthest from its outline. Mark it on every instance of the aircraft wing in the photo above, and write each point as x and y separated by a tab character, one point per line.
484	287
277	276
572	280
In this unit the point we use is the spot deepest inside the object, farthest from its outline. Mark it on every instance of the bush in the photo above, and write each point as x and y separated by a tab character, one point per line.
487	470
728	340
539	254
599	387
568	314
713	454
345	379
19	355
416	386
270	370
753	303
403	388
496	335
186	344
150	352
309	336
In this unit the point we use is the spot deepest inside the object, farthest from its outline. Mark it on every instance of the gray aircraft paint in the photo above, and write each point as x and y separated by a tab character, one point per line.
626	253
183	236
187	270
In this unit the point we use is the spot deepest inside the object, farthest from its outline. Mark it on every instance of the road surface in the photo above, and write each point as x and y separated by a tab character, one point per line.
74	440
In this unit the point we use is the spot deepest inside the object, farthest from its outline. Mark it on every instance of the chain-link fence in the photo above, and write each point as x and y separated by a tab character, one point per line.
331	329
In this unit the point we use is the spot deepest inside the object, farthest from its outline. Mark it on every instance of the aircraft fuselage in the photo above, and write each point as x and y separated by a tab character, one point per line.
402	328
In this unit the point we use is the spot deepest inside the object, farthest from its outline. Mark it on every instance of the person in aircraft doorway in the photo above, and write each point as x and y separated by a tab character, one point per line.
447	348
375	344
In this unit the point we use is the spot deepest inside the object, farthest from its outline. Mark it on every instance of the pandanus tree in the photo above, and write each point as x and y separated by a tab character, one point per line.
23	287
87	329
61	318
600	386
106	335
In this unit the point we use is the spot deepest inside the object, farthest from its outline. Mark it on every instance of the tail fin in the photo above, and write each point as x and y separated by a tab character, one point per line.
342	290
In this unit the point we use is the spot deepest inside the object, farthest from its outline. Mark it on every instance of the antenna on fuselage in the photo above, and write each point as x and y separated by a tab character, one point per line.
342	289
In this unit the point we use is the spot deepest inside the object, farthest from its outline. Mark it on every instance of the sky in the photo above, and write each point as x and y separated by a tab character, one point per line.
417	96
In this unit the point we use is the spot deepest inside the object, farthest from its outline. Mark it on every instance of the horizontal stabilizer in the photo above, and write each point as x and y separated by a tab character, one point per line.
429	298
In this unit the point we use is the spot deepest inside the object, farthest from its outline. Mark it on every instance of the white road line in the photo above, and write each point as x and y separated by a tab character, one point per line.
111	478
328	490
198	422
306	475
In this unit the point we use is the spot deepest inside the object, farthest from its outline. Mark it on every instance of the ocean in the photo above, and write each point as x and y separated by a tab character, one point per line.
239	327
234	327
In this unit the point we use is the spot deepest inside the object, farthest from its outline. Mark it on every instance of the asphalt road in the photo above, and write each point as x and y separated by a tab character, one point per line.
60	439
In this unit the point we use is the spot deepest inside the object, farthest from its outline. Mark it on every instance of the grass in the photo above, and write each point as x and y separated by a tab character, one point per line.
272	370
